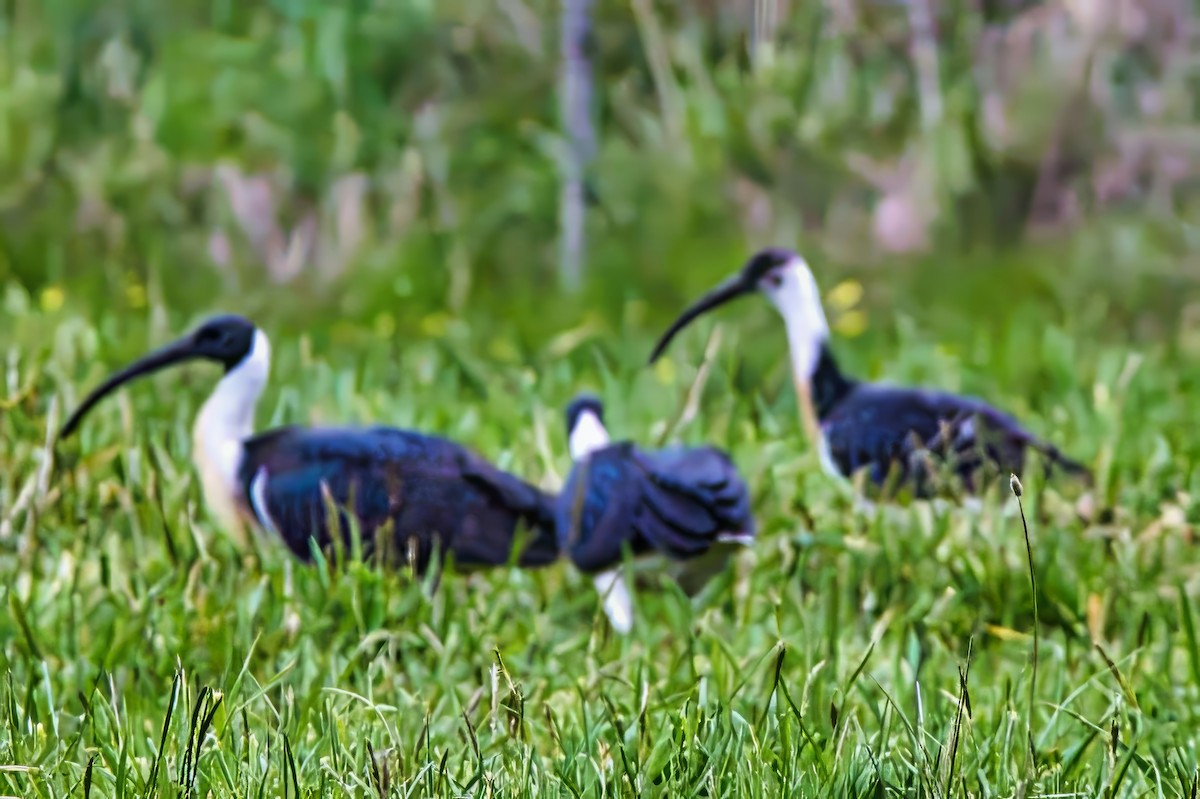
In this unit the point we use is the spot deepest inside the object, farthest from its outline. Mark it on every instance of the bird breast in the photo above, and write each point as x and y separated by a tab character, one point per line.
217	463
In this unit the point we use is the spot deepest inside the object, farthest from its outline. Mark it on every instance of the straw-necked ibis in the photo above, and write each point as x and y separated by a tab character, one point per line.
903	437
687	504
410	494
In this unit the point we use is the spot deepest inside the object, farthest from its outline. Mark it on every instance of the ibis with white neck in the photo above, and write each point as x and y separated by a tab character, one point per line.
904	438
687	504
410	494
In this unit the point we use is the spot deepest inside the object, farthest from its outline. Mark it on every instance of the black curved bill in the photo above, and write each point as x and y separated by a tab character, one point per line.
731	289
176	352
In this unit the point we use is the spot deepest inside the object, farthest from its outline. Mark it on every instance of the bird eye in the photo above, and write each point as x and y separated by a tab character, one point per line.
773	279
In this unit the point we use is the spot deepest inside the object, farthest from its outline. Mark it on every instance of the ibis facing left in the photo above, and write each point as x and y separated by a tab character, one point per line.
412	492
903	438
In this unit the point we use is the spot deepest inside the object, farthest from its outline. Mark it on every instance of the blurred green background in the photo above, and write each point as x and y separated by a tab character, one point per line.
395	163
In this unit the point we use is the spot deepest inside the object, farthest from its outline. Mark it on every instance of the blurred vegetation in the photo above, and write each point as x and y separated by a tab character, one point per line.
401	156
998	197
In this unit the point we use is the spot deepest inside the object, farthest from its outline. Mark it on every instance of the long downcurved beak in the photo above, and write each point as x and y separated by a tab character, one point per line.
176	352
730	289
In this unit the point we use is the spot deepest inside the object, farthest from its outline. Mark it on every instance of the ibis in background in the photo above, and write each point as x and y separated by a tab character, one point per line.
687	504
409	494
902	437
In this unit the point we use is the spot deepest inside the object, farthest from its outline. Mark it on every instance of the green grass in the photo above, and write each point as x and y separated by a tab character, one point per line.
142	652
126	613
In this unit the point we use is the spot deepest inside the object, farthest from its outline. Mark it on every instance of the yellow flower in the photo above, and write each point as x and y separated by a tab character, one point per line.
52	299
845	295
851	324
842	298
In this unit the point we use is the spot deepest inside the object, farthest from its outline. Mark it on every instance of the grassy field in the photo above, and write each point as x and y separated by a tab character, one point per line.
377	184
143	652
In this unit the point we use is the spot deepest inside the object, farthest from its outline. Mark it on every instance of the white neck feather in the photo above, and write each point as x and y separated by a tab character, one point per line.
227	418
587	436
799	303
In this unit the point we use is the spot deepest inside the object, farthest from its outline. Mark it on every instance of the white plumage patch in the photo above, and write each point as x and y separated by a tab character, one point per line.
258	500
225	421
227	417
614	593
826	457
798	301
587	436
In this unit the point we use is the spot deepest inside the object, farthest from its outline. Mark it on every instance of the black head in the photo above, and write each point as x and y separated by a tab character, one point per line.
582	404
765	266
226	339
763	272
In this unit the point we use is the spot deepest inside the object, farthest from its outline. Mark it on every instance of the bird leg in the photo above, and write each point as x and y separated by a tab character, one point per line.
614	594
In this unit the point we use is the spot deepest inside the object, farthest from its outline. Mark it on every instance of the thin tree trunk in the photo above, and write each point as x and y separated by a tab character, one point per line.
576	103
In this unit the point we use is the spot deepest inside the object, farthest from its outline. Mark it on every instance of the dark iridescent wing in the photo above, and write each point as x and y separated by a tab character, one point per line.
424	492
596	509
676	501
693	494
912	433
534	507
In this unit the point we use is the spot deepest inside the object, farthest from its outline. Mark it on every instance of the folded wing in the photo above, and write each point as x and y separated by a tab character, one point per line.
692	496
911	433
404	490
